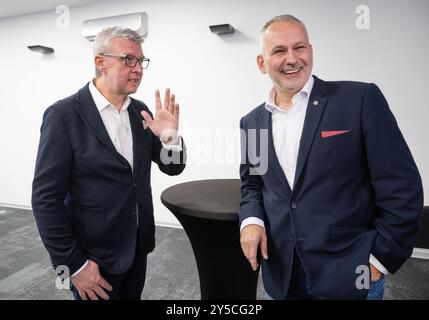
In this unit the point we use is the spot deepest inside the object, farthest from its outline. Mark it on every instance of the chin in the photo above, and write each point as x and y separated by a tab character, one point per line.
132	90
295	87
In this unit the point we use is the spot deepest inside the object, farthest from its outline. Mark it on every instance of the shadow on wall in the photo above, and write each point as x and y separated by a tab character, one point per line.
236	37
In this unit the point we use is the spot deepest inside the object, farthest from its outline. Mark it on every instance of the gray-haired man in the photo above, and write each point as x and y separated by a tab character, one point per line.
91	191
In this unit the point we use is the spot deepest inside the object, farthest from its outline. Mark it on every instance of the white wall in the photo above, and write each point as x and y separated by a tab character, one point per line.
215	78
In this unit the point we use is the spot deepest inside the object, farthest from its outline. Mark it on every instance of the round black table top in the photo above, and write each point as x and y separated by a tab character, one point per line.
217	199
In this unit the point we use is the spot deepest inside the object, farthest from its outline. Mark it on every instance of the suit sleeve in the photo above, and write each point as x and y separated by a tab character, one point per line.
396	183
251	204
50	187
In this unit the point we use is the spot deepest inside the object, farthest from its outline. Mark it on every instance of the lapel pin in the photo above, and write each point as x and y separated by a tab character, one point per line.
315	102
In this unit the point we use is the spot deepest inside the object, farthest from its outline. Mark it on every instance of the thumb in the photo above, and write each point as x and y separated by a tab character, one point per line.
147	117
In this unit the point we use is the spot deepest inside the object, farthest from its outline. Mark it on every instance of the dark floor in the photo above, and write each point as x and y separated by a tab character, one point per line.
26	272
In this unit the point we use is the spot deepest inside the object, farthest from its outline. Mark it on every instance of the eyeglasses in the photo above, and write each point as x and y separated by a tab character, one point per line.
130	60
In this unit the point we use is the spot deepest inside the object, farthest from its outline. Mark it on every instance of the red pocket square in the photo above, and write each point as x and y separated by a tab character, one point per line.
327	134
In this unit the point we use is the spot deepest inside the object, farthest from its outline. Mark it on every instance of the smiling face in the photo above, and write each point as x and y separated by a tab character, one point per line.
286	56
118	78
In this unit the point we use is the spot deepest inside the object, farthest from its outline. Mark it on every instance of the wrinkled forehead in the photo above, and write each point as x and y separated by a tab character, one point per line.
286	33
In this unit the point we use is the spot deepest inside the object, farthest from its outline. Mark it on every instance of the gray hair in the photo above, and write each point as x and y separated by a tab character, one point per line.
282	18
103	38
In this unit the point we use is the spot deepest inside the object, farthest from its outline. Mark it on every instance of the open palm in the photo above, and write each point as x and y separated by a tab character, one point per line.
166	121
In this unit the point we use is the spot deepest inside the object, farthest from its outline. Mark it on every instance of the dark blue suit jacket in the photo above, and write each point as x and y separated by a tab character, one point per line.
85	195
354	193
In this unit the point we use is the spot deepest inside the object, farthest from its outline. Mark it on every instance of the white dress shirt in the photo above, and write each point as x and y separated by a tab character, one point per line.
287	130
117	124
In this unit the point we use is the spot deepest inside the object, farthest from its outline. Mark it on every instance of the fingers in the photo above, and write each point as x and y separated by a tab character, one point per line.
101	293
167	99
250	248
82	295
176	111
91	295
158	105
104	284
172	104
252	237
96	291
253	249
169	102
101	286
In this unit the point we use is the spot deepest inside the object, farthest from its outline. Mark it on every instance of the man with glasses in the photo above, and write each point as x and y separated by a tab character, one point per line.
91	191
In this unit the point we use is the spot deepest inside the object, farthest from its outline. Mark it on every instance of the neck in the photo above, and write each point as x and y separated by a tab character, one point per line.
283	100
117	100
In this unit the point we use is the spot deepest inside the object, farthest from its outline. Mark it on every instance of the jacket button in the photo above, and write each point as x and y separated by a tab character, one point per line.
294	205
133	214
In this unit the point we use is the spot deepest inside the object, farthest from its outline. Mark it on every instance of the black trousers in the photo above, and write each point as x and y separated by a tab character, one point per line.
126	286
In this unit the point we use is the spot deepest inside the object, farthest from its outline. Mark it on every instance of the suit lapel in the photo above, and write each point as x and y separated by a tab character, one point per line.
91	117
315	108
266	122
139	136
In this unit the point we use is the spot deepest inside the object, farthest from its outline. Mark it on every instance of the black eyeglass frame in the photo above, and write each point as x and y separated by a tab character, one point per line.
129	59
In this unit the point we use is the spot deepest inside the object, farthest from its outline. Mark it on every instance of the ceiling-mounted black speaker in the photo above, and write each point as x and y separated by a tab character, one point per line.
222	28
41	49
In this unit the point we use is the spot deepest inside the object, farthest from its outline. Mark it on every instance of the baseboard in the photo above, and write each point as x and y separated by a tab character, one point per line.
160	224
169	225
15	206
420	253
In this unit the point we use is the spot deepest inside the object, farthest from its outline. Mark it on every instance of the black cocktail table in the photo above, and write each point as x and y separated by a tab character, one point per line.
208	211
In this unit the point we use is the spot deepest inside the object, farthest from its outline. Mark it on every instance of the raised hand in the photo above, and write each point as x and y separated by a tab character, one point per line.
166	121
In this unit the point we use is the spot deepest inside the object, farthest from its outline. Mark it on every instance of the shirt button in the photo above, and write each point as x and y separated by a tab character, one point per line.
294	205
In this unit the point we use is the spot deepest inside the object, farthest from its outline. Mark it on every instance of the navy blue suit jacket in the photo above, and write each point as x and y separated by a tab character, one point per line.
85	194
354	193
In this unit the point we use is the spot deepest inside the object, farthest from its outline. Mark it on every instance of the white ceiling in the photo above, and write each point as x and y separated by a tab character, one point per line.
15	8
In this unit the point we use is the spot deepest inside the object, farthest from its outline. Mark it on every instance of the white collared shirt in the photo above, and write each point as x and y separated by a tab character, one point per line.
117	123
287	130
